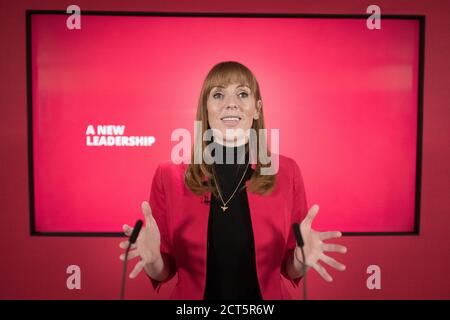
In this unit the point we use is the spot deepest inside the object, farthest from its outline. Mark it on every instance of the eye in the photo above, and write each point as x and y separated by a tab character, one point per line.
244	93
215	95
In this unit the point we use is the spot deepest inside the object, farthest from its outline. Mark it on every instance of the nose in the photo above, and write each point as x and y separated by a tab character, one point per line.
231	106
231	103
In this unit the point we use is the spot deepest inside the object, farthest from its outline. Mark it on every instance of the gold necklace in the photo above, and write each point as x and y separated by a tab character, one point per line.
224	207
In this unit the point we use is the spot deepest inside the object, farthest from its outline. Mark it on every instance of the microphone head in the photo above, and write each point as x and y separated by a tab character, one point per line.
298	235
135	233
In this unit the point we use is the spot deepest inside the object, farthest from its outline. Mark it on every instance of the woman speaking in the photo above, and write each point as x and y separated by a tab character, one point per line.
225	226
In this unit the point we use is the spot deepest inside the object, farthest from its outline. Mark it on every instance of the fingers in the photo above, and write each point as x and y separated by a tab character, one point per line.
329	235
147	211
312	213
127	230
137	269
323	273
334	248
131	255
332	262
298	256
124	245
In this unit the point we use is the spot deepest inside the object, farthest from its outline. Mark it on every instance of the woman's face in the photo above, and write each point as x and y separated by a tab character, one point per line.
231	108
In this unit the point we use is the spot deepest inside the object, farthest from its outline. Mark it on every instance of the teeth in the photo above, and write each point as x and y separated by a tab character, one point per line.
231	118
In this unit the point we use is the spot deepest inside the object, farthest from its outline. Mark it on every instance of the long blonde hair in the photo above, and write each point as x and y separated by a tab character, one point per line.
199	177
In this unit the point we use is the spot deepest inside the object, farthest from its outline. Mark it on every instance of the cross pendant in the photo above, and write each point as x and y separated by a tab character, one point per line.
224	208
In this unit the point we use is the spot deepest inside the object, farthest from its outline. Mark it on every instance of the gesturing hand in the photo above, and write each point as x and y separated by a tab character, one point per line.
147	245
314	247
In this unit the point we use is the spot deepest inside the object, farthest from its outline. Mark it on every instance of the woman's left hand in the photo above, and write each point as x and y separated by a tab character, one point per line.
314	247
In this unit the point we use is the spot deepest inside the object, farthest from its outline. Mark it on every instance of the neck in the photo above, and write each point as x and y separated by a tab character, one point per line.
230	144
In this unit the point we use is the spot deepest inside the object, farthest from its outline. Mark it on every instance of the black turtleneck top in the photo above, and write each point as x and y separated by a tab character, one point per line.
231	266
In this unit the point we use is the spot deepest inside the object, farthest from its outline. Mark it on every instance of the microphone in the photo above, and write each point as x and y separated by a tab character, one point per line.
135	233
298	235
131	240
301	243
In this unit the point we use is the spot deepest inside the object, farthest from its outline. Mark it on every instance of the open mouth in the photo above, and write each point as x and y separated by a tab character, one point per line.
231	121
235	118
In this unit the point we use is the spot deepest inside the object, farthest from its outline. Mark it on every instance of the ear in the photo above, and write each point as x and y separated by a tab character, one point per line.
258	109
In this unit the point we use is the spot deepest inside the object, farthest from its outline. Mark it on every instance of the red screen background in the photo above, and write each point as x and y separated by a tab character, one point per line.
344	97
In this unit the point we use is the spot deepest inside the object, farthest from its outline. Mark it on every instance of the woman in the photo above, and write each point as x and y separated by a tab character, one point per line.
225	228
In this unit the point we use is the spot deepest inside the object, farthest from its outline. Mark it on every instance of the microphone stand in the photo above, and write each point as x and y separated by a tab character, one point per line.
133	238
300	243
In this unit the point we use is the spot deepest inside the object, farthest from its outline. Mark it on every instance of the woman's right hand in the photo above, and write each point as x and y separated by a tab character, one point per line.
147	245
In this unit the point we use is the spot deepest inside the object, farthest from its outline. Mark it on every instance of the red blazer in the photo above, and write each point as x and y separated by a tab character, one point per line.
182	219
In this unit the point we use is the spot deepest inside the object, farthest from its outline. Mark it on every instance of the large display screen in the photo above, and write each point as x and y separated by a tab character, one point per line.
105	99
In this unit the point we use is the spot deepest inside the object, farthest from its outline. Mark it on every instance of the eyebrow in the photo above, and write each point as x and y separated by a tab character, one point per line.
241	85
